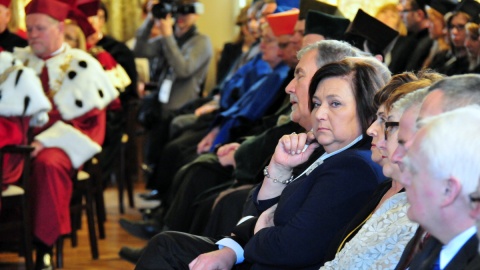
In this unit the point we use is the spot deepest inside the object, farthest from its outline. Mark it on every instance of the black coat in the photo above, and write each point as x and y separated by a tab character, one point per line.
466	258
9	40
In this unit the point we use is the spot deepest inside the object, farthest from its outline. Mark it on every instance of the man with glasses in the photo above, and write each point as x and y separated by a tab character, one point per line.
438	180
415	18
445	95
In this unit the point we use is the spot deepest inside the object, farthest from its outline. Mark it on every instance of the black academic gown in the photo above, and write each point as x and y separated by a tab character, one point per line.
400	54
9	40
124	56
422	49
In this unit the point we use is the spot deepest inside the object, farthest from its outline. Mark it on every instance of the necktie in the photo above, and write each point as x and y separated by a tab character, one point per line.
436	266
44	79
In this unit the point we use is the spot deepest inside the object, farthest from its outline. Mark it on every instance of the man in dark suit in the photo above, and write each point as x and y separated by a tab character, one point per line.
415	18
438	180
444	212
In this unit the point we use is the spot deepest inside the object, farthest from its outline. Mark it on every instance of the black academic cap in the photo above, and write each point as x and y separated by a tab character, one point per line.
442	6
306	5
471	7
371	29
329	26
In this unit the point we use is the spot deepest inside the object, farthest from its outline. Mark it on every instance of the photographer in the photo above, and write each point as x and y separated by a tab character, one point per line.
182	56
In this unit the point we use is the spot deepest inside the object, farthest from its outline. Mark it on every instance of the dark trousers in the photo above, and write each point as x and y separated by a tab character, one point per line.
175	250
192	184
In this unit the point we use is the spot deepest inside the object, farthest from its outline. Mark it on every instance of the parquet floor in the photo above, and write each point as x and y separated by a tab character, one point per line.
116	237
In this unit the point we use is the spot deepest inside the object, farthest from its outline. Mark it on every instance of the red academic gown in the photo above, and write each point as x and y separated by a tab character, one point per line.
12	131
52	173
54	166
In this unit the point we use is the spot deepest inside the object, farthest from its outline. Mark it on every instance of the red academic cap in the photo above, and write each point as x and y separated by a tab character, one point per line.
88	7
82	21
5	2
53	8
283	23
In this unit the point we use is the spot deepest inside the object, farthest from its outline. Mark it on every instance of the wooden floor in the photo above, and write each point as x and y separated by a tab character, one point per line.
116	237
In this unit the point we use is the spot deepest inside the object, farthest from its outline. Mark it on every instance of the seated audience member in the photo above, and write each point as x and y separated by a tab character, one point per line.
76	127
23	104
120	52
375	37
455	61
415	18
445	95
249	158
8	40
269	92
303	210
397	58
337	21
436	10
321	26
233	50
386	211
438	181
388	14
472	44
235	121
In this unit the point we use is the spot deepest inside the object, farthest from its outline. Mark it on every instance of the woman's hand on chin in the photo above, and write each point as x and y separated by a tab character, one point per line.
293	150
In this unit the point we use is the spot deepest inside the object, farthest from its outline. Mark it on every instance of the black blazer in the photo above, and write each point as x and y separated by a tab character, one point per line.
466	258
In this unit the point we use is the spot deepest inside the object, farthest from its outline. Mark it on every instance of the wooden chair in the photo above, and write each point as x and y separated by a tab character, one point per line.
83	198
127	151
18	195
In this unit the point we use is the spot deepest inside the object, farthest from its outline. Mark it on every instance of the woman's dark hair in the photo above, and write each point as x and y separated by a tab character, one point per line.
103	7
365	82
396	81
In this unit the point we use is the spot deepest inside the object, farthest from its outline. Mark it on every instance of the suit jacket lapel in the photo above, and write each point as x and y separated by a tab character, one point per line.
428	255
465	255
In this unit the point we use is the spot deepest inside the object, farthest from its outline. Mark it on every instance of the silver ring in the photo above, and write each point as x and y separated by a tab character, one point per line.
293	133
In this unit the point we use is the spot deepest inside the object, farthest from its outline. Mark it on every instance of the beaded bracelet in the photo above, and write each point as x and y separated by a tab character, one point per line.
275	180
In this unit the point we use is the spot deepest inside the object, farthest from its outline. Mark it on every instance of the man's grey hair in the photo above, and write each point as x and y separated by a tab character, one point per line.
329	51
380	68
459	91
451	147
414	98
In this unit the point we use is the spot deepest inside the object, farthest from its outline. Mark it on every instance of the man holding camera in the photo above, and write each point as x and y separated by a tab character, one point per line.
183	56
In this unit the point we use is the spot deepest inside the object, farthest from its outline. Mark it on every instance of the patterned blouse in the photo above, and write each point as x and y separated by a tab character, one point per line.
381	241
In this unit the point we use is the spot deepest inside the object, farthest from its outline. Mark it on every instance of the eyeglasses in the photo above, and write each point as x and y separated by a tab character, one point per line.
408	10
388	128
283	45
459	27
474	198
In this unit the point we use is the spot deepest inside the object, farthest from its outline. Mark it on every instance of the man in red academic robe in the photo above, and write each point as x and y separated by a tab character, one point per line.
79	91
22	103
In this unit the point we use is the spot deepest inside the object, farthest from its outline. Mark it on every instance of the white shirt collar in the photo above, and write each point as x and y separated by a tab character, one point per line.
451	249
61	49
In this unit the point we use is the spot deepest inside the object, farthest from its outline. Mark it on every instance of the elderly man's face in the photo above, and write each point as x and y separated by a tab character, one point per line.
45	35
423	191
406	131
287	51
299	31
298	89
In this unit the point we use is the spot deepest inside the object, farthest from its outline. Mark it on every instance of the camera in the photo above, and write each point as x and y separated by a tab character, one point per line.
162	9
